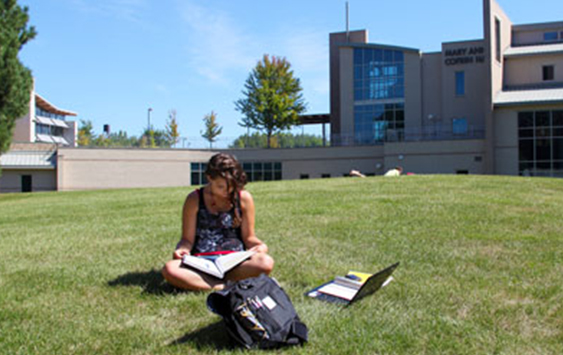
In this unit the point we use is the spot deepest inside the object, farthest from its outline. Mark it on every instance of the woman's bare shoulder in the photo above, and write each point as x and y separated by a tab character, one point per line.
193	198
246	198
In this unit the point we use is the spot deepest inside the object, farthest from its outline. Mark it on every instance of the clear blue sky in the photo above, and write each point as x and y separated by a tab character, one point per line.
110	60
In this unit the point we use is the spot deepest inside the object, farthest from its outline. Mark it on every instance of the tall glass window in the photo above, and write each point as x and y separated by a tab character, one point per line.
497	39
540	143
379	123
459	83
198	173
262	171
378	74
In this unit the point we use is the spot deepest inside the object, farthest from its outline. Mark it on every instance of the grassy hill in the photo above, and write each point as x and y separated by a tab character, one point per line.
480	267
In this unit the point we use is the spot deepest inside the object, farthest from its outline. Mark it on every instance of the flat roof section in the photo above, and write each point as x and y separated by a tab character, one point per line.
534	50
47	106
314	119
529	97
28	160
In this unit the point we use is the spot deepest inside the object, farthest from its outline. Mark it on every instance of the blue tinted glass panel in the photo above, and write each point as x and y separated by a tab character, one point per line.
550	36
460	83
459	126
358	56
399	56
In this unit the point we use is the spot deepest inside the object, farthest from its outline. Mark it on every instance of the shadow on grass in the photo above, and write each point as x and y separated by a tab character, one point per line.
151	281
212	336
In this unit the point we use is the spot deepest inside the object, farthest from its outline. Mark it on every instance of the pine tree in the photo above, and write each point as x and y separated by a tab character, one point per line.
212	128
273	100
15	79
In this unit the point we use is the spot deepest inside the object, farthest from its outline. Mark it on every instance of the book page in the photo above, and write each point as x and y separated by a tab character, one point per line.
339	291
344	281
202	264
229	261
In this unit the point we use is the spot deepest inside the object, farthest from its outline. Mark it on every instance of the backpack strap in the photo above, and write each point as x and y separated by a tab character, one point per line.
299	333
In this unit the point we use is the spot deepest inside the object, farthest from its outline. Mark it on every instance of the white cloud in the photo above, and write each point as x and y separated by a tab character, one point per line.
217	44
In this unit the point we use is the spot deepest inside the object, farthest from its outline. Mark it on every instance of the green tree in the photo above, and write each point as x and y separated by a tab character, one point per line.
15	79
212	128
172	133
279	140
272	97
85	133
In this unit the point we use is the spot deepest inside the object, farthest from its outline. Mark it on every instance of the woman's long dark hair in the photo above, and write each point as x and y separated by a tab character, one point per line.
227	166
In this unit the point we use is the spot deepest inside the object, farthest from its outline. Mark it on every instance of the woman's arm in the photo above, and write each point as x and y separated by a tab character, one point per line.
251	242
189	222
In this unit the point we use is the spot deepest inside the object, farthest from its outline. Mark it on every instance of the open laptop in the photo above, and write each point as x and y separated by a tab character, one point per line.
372	285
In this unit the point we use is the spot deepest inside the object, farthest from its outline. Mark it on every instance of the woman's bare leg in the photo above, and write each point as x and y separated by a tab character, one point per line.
189	279
259	263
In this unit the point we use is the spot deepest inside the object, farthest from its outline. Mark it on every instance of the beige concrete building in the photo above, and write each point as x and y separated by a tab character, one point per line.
504	93
31	164
480	106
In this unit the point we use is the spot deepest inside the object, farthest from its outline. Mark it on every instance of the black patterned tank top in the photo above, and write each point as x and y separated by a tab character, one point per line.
215	232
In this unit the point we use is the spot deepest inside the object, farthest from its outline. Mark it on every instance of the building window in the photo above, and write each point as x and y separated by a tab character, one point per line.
459	83
459	126
378	74
325	176
40	112
548	72
198	173
497	39
550	36
379	123
49	130
262	171
304	176
540	143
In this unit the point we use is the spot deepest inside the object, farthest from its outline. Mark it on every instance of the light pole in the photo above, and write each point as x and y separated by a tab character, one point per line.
149	117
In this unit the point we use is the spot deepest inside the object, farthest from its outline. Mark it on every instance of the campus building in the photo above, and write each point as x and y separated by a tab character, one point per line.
484	106
31	164
492	105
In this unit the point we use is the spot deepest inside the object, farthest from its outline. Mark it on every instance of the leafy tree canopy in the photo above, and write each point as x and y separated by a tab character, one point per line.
15	79
272	97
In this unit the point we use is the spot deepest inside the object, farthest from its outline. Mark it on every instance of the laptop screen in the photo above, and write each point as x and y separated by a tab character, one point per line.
374	283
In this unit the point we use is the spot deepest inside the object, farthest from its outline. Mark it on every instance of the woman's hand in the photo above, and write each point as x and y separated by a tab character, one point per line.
180	252
260	248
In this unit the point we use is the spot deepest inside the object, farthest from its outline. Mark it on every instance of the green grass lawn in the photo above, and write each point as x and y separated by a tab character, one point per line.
480	271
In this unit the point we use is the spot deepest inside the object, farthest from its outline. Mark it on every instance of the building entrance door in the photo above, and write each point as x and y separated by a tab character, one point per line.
26	183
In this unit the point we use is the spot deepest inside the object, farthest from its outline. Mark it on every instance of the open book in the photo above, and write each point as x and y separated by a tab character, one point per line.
216	265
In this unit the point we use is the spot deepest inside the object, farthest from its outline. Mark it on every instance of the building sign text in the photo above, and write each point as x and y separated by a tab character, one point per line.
466	55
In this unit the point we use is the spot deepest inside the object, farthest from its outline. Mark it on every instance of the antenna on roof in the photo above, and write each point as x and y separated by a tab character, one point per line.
347	22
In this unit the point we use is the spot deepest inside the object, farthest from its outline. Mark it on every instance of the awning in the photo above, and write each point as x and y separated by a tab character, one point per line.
28	160
529	97
51	121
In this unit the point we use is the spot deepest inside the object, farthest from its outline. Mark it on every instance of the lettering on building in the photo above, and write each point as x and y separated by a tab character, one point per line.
467	55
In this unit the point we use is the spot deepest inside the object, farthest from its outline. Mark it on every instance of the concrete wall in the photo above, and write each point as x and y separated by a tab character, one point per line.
431	91
525	70
506	141
314	162
533	34
469	58
444	157
85	169
41	180
335	40
24	131
346	92
413	89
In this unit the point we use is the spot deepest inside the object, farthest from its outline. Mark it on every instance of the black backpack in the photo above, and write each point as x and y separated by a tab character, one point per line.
258	313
